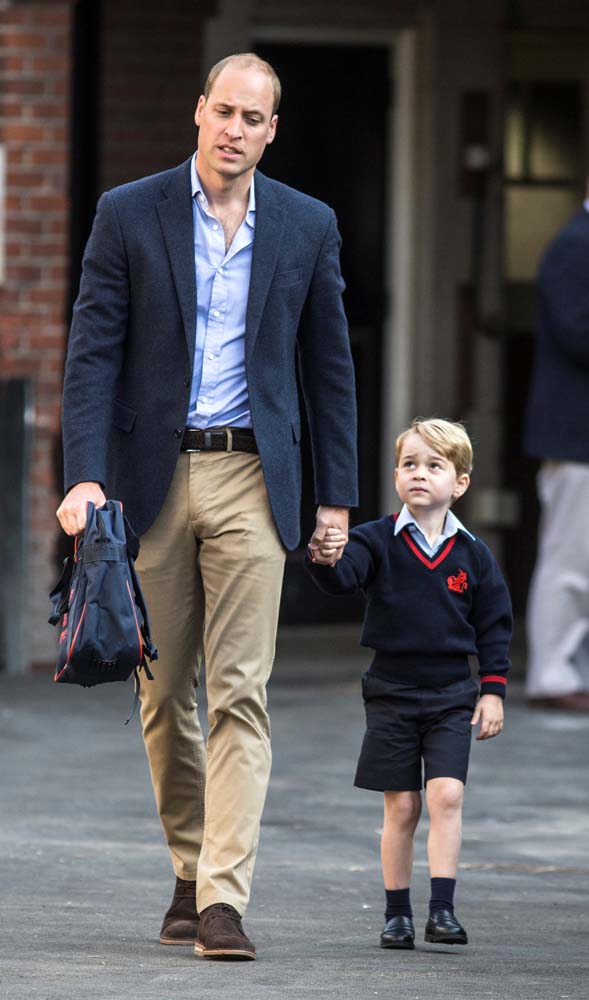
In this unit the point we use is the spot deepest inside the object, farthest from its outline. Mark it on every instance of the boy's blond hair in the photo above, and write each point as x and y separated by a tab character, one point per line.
446	437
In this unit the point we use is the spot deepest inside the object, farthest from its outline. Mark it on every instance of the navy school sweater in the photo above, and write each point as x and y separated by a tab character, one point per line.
424	616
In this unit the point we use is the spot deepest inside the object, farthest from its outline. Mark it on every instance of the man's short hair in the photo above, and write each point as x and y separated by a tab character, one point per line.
245	60
446	437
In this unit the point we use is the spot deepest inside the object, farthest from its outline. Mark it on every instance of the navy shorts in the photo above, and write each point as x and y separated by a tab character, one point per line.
406	726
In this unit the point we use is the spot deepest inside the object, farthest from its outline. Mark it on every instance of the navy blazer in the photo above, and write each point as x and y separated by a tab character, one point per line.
131	348
557	424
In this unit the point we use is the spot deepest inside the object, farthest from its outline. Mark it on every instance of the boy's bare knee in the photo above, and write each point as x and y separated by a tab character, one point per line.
445	794
402	808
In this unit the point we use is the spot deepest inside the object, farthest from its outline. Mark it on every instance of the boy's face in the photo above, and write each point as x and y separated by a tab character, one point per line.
424	479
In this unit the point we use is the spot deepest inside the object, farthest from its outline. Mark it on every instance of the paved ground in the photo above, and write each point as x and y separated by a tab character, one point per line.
85	877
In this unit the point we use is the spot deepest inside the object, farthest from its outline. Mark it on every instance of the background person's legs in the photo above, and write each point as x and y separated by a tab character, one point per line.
558	606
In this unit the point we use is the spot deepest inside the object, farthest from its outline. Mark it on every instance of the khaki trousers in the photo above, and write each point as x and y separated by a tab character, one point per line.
211	569
558	605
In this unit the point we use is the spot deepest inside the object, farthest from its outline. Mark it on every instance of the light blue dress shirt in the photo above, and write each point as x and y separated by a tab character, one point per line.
451	526
219	395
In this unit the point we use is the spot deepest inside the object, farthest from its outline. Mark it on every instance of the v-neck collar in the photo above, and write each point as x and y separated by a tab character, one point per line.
430	563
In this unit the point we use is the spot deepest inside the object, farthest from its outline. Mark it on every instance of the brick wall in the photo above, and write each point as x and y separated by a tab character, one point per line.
151	79
34	114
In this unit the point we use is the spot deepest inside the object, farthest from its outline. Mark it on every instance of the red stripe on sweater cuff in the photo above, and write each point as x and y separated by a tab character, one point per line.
494	677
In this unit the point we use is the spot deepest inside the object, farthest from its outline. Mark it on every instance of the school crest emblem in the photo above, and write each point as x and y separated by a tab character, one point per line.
458	583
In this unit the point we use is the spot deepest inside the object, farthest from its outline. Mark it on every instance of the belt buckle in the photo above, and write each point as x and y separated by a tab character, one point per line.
226	436
190	451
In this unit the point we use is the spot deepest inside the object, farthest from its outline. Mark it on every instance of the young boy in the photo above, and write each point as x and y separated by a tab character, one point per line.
435	596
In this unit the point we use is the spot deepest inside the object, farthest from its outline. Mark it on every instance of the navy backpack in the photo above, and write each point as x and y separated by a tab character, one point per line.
97	602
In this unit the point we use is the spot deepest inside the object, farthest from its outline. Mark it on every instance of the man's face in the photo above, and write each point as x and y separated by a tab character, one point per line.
236	121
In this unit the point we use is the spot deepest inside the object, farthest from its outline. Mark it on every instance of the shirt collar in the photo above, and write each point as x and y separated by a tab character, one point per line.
197	189
451	524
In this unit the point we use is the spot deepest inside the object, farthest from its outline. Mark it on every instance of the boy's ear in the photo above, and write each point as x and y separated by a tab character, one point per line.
462	484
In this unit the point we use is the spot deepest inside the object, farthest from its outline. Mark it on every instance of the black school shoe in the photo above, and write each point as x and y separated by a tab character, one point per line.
398	932
443	928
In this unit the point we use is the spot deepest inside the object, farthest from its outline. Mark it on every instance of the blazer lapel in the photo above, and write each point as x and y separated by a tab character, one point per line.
267	245
175	215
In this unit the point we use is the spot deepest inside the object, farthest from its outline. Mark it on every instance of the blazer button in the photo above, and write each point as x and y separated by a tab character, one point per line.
178	432
187	382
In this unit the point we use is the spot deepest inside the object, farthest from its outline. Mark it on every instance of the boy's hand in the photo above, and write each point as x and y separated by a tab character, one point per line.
327	550
489	712
329	518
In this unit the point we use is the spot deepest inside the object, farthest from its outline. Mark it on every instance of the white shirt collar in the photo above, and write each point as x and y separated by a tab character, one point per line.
451	524
197	189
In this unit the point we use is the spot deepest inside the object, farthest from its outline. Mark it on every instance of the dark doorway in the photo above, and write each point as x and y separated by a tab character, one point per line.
15	431
332	144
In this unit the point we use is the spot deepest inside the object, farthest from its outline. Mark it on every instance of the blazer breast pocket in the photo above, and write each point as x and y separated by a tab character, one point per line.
282	279
123	416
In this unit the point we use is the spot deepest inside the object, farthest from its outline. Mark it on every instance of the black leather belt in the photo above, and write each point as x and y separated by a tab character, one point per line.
219	439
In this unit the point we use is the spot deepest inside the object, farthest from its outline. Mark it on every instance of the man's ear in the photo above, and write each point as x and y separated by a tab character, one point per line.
272	129
200	105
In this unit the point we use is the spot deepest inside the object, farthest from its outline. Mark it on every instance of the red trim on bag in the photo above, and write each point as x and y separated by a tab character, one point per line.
136	624
73	643
497	678
420	555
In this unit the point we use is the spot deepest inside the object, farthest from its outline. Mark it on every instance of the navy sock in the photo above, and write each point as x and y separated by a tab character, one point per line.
398	903
442	895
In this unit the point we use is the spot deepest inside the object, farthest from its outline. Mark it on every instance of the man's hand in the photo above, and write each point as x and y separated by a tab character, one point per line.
329	517
327	552
489	712
71	513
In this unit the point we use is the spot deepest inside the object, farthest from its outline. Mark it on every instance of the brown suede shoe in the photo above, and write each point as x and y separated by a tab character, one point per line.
220	934
180	924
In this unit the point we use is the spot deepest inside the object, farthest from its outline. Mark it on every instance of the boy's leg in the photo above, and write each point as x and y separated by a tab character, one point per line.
444	797
390	759
401	815
446	739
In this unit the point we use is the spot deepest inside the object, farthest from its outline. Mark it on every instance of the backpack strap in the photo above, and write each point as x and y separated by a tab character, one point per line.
149	648
60	594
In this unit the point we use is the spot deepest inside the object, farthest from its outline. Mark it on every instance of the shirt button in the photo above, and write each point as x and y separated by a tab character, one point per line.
215	226
215	312
221	270
204	399
178	432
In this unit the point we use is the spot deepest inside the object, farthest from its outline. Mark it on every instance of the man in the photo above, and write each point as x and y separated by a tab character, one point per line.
556	432
200	287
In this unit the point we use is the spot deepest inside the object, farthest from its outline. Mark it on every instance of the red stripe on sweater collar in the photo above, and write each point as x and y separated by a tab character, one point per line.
431	564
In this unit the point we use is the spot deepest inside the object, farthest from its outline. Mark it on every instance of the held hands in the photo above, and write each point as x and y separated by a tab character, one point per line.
489	712
71	513
330	535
